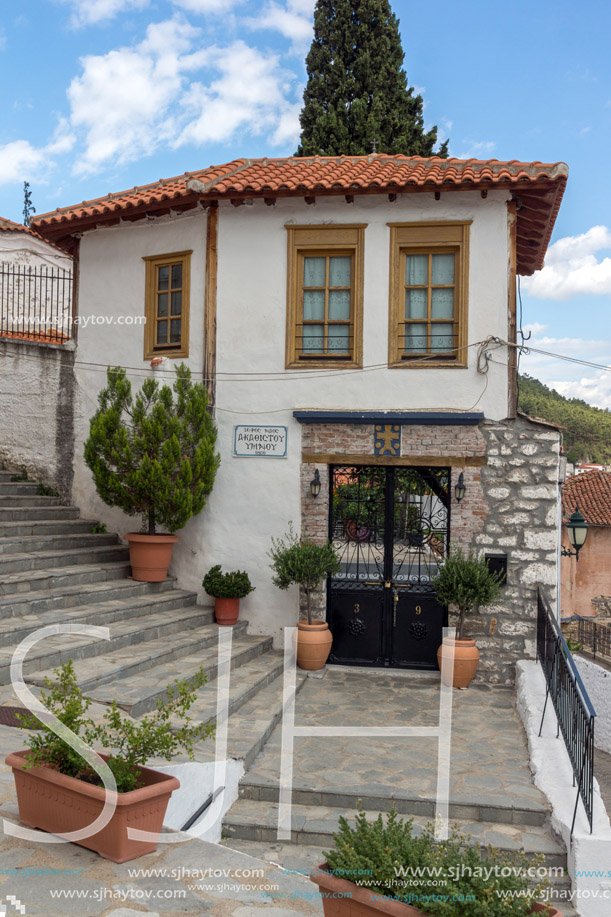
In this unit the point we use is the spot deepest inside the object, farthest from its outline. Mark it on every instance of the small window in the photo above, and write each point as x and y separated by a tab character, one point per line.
428	298
324	325
167	305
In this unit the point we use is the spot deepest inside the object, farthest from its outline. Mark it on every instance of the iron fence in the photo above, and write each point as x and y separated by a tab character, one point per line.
594	635
35	302
574	711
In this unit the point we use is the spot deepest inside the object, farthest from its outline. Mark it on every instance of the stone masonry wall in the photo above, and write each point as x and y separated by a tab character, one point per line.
509	507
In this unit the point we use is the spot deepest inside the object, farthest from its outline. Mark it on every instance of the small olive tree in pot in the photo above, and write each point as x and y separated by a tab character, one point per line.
153	455
298	561
466	582
227	589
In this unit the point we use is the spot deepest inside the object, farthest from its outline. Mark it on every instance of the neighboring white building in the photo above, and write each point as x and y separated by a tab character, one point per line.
35	285
360	312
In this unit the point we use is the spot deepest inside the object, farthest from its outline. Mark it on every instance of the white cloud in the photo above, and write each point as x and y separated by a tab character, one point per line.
476	149
571	267
20	161
206	6
595	389
90	12
238	88
292	19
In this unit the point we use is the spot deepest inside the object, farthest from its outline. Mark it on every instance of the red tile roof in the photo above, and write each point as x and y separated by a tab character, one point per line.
591	492
10	226
537	186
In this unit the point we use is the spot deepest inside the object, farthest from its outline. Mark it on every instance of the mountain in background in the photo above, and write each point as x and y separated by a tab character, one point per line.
587	430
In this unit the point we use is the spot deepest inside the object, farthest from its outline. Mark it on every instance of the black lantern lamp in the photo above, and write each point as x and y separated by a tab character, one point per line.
459	490
315	484
577	528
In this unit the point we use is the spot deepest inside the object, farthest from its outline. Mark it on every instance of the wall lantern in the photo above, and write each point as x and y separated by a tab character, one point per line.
315	484
459	490
577	528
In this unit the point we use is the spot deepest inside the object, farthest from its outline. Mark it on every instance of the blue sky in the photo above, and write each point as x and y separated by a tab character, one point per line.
100	95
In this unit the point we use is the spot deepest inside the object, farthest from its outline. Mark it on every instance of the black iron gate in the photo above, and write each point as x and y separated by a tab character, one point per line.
390	528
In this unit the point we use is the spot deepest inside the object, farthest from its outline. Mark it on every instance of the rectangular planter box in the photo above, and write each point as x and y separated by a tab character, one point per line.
59	804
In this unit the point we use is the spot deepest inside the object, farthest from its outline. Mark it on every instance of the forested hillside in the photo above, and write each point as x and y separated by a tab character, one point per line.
587	433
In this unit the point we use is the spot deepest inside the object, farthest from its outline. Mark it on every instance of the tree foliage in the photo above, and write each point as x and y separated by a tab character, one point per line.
357	94
153	455
298	561
465	580
587	430
232	585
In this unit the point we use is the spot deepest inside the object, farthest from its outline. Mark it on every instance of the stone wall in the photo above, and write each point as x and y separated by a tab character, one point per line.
602	604
510	507
37	411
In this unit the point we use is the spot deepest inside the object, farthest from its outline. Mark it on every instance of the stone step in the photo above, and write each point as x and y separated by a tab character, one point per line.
11	501
120	665
54	651
39	560
15	488
316	825
139	693
29	544
43	526
38	601
30	512
261	789
13	630
47	579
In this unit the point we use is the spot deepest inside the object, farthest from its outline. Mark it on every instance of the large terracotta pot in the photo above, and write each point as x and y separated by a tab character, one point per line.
150	556
466	660
226	611
341	898
313	645
59	804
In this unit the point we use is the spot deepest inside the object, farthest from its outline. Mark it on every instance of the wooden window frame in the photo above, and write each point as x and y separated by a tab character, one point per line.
428	238
326	241
152	263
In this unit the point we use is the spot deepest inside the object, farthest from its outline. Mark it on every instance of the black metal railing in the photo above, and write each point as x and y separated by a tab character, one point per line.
35	302
594	635
574	711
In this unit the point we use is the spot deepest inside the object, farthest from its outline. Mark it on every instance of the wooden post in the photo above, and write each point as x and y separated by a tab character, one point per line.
210	303
512	332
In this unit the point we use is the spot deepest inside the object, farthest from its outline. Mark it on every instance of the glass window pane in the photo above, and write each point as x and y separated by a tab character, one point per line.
176	276
442	303
416	270
339	305
162	332
416	303
442	339
314	272
177	303
162	304
443	269
338	339
163	277
415	338
313	305
175	331
340	271
313	338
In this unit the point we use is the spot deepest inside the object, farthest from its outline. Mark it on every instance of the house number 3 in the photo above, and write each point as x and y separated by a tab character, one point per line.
357	608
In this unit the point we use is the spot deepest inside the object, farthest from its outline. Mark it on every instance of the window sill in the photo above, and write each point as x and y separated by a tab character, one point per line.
183	353
324	364
428	364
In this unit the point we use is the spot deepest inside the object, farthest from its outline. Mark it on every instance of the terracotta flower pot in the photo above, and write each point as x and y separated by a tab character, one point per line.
341	898
466	660
313	645
150	556
59	804
226	611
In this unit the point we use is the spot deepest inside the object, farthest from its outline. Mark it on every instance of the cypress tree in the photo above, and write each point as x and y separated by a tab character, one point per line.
357	94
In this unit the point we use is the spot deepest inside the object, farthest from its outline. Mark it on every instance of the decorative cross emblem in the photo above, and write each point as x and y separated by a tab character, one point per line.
387	439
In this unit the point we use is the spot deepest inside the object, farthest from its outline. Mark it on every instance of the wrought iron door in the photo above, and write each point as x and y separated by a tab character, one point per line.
390	528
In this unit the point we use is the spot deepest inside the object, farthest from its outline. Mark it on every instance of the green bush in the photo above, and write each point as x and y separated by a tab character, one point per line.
233	585
43	490
153	455
386	856
301	562
466	581
128	742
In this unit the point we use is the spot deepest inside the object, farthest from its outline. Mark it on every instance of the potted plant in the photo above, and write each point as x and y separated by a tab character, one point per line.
227	589
305	563
59	792
384	868
153	456
466	582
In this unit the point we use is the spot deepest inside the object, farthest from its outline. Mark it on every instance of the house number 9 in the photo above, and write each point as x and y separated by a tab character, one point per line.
357	608
418	610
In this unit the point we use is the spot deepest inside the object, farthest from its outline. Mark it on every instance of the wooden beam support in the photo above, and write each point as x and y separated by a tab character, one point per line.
210	303
436	461
512	321
437	195
237	201
484	193
270	201
349	198
310	200
392	198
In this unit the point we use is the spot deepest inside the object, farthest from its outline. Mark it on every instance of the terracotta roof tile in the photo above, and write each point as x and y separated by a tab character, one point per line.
538	186
591	491
10	226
